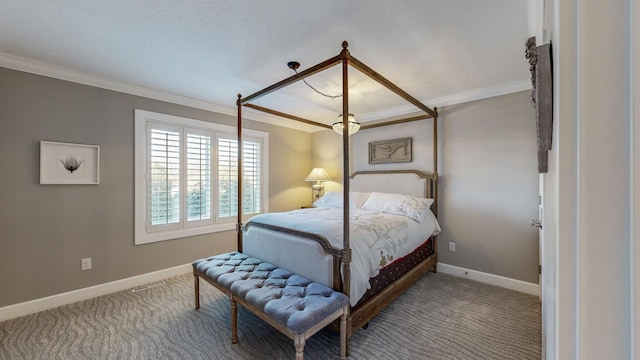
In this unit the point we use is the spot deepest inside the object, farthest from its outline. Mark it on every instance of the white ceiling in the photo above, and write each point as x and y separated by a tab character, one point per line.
206	52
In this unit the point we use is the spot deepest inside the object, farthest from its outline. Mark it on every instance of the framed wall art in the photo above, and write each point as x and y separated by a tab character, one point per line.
390	151
63	163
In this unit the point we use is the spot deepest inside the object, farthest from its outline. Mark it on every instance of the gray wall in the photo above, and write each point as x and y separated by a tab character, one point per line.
46	229
488	185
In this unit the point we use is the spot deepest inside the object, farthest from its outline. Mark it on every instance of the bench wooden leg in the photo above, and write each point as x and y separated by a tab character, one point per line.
234	321
196	289
343	334
299	343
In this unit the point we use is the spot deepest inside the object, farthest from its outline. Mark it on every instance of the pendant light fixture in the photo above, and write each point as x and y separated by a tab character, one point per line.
352	127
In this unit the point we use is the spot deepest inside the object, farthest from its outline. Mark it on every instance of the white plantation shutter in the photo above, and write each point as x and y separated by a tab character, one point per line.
179	173
228	176
252	176
198	170
163	187
186	178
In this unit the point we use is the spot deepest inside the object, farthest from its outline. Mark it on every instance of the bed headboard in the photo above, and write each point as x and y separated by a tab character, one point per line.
408	182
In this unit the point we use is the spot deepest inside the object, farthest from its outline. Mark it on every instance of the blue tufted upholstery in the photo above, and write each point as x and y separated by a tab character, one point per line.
290	300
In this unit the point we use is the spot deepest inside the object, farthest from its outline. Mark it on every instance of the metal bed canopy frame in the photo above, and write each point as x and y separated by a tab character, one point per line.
347	60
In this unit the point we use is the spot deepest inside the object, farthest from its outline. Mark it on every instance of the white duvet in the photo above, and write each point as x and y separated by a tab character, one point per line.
376	239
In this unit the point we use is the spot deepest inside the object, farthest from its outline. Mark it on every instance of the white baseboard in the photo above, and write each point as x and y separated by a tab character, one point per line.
49	302
497	280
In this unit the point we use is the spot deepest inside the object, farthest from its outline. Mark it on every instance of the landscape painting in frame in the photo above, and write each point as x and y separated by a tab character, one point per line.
390	151
63	163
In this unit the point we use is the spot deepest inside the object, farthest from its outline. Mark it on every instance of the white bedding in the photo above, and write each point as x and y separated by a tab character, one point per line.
376	239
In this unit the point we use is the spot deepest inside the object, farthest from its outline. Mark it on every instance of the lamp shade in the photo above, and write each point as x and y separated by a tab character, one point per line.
317	174
354	126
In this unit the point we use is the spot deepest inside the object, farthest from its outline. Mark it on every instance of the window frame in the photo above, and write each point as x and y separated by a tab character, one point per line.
142	119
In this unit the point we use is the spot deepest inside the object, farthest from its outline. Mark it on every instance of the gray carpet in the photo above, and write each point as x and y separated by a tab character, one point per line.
440	317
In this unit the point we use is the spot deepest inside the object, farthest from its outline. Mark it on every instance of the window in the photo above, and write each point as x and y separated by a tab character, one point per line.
186	176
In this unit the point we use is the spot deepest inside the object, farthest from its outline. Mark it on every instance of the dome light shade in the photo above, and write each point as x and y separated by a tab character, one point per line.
353	126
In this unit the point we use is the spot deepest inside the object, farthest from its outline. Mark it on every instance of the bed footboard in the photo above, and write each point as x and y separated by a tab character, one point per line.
309	255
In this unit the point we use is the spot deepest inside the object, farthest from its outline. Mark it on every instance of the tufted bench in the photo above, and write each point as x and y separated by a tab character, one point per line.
291	303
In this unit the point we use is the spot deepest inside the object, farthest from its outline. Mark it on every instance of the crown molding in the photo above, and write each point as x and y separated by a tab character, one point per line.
58	72
453	99
62	73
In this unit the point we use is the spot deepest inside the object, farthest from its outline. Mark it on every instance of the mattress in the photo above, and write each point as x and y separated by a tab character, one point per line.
377	239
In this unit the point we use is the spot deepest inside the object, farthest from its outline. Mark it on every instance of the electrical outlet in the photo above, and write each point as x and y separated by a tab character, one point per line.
86	264
452	246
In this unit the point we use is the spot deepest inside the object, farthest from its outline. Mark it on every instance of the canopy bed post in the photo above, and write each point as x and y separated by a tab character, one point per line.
435	161
346	250
434	183
274	240
240	146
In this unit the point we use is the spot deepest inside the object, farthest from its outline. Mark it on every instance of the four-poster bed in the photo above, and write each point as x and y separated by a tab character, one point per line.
270	241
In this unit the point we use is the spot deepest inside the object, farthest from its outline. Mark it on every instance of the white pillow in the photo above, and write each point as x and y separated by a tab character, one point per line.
334	199
397	204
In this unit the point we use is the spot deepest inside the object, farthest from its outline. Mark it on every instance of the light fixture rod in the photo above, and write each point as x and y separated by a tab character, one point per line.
294	65
292	79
